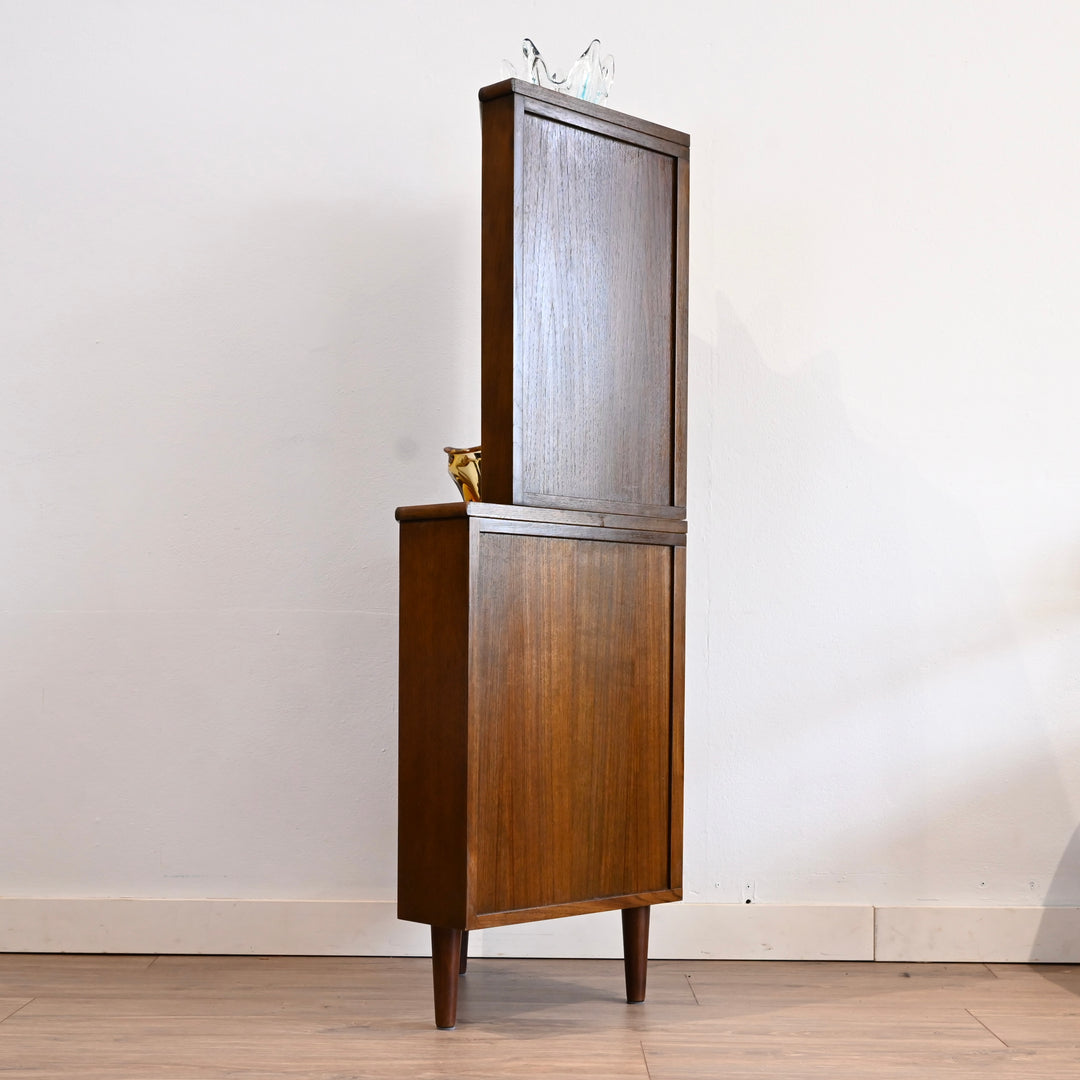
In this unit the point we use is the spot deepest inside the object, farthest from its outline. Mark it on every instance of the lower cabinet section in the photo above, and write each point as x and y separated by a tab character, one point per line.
540	715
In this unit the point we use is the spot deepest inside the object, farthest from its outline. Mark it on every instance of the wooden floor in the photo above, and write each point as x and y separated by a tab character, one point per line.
178	1018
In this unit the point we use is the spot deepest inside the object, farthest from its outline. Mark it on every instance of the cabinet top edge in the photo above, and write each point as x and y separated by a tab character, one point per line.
584	108
503	512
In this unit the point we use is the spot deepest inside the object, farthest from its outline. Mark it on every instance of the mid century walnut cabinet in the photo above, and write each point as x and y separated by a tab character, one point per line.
541	630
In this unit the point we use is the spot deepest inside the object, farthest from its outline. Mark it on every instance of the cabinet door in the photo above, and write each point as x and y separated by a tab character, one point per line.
571	731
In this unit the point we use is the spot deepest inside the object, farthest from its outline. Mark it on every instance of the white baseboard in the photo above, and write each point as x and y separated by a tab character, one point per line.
679	931
703	932
1003	935
225	927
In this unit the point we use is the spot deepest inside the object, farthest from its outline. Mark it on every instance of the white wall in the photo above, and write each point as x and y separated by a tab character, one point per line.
239	278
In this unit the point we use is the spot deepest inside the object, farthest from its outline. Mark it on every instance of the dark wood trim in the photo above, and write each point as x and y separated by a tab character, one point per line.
553	515
517	458
606	506
583	108
475	751
499	274
681	304
635	934
433	705
432	511
583	532
678	693
602	126
445	961
583	907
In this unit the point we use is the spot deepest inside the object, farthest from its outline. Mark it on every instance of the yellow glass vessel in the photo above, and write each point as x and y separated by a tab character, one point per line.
464	468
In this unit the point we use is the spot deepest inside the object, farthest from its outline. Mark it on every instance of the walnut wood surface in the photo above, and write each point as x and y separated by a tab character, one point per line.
446	948
595	342
678	694
572	733
500	304
583	310
541	636
635	933
552	655
433	722
578	907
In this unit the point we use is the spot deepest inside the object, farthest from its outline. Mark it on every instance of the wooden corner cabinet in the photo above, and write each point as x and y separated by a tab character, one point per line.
541	630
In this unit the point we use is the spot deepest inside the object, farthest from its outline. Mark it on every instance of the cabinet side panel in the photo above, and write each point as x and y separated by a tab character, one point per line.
432	721
681	325
498	256
573	648
678	683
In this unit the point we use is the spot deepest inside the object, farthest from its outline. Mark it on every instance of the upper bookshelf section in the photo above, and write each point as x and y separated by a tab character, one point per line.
584	270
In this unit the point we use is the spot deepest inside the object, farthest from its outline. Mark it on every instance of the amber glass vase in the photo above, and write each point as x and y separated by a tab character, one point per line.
464	468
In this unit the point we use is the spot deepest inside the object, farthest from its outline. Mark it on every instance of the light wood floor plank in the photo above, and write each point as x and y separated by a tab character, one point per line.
10	1006
341	1018
1023	1029
752	1060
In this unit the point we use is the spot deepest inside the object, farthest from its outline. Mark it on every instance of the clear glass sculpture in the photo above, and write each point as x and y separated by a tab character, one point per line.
464	469
589	78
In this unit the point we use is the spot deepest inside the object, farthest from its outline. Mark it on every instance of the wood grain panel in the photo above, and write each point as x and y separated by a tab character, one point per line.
500	259
572	733
678	698
584	306
681	326
432	721
596	340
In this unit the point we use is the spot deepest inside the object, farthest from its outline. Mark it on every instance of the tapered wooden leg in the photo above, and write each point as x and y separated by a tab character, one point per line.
635	936
464	952
445	962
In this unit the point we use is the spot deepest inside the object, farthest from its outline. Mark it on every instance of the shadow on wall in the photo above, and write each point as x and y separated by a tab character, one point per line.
1058	937
869	656
1057	940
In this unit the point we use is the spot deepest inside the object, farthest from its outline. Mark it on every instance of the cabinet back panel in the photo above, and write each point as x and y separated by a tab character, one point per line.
571	671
